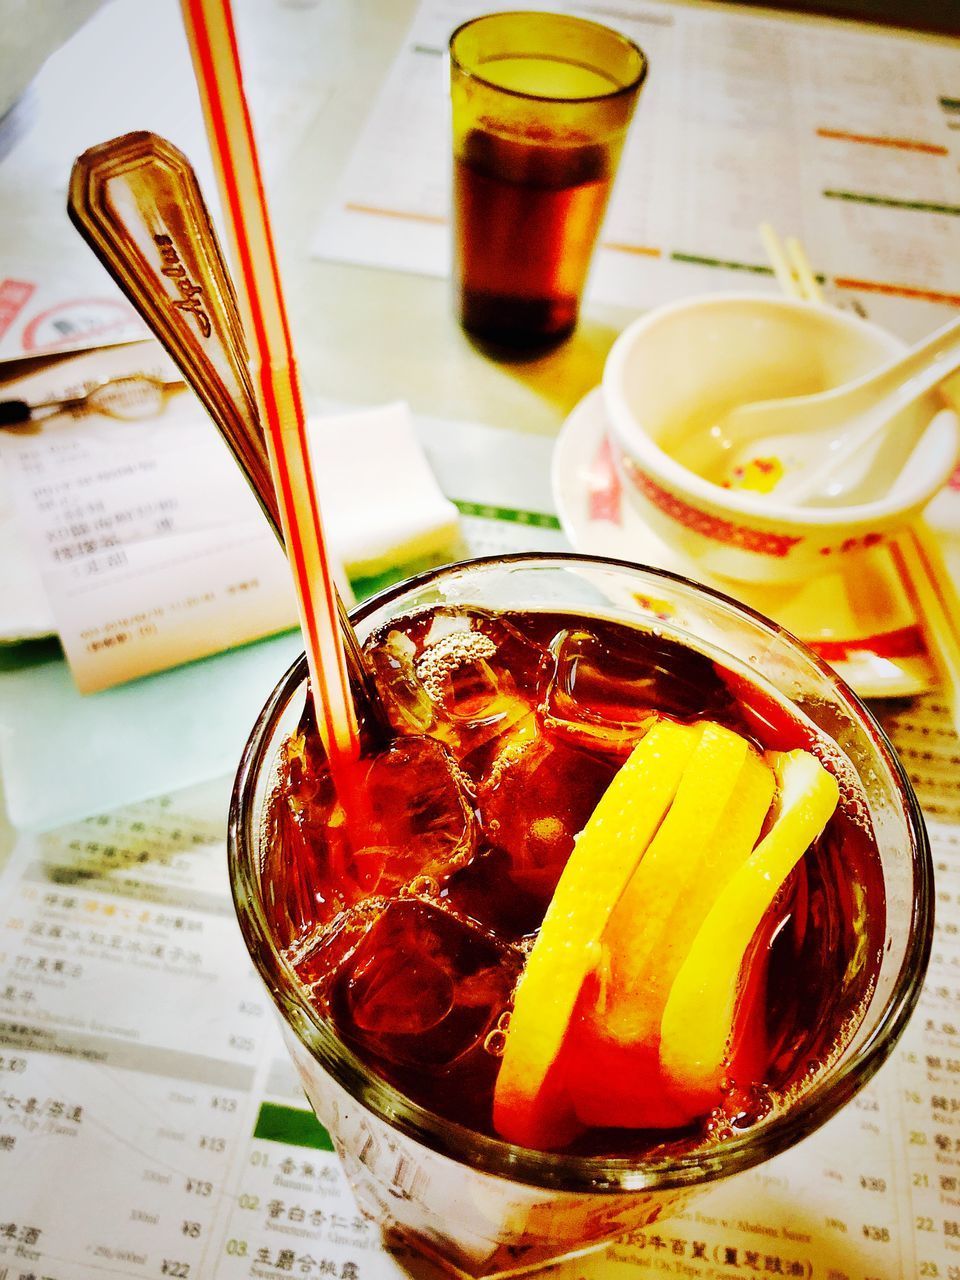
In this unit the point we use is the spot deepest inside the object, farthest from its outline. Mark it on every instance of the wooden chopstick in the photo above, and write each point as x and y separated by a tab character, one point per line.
935	601
809	285
778	260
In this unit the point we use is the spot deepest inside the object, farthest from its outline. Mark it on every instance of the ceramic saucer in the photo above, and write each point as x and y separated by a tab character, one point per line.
861	620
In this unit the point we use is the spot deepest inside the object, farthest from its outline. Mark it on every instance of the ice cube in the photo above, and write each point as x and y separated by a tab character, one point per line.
409	817
486	892
520	656
474	665
456	671
409	706
463	679
406	816
423	988
603	693
536	797
466	680
320	953
302	852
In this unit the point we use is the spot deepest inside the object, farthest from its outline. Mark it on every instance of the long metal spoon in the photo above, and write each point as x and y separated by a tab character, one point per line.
137	203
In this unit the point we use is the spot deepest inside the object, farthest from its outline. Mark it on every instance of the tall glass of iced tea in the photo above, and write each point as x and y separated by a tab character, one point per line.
541	105
559	722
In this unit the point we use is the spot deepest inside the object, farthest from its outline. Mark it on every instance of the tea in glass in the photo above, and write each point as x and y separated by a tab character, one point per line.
398	925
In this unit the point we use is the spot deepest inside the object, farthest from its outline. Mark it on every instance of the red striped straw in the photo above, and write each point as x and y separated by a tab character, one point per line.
273	367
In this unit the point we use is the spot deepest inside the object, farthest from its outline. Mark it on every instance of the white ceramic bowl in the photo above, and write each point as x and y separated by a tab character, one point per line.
679	369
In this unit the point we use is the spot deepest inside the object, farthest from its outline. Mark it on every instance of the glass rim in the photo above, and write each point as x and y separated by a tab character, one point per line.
559	1170
631	87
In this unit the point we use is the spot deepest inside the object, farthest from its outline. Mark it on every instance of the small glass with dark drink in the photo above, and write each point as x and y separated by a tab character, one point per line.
397	921
541	105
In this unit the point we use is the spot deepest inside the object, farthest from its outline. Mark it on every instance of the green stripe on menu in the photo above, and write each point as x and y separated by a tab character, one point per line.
950	104
921	206
755	268
293	1126
537	519
695	260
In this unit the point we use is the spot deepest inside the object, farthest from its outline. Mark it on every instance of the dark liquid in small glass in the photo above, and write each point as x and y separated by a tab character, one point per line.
408	913
526	220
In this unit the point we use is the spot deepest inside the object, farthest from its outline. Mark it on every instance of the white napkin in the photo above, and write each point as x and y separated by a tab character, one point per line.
381	504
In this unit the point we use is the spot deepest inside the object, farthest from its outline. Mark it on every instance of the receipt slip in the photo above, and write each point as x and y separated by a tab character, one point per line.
151	549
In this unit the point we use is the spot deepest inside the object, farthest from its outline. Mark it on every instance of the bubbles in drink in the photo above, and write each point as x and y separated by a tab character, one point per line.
496	1040
456	672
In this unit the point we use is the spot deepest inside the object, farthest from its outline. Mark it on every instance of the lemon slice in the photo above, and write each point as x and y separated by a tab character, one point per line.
613	1071
736	835
528	1106
699	1013
711	827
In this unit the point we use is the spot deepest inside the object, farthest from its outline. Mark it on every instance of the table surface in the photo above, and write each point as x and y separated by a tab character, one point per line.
377	334
361	334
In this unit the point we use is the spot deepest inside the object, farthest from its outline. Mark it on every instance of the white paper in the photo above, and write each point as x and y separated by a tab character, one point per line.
113	76
839	135
40	316
127	68
30	34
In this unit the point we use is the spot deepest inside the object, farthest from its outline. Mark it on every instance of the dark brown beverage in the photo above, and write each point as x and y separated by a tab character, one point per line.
408	906
526	221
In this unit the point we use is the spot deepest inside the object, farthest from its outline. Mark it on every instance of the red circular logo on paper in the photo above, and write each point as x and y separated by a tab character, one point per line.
70	323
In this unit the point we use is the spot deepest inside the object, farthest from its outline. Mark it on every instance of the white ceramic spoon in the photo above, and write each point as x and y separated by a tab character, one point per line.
821	440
